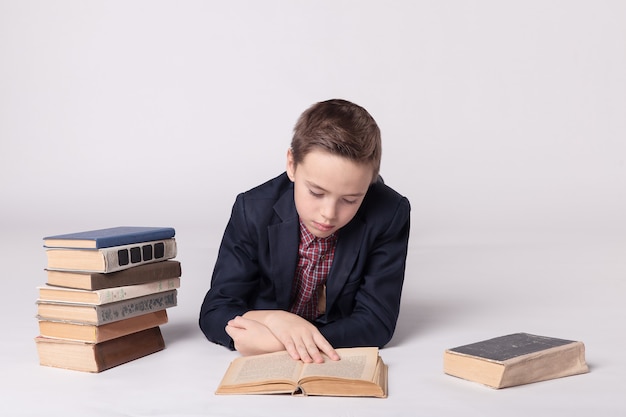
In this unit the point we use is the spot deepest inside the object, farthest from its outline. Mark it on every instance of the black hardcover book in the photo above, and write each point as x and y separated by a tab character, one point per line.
507	347
516	359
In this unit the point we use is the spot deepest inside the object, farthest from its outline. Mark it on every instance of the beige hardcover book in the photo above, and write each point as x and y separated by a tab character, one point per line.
111	259
516	359
359	373
106	313
106	295
91	333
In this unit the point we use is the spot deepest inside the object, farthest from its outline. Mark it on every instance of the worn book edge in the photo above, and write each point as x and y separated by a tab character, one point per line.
552	363
139	274
106	313
106	295
98	357
93	333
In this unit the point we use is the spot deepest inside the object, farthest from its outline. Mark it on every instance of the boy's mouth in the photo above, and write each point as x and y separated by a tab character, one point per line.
323	227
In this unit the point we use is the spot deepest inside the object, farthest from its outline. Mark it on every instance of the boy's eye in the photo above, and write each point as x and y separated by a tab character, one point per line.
314	194
349	201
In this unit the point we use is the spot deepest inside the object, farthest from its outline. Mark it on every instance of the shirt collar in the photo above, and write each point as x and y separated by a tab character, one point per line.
306	237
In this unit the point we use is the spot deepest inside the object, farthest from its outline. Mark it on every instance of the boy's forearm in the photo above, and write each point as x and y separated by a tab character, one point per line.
259	315
299	337
251	337
269	318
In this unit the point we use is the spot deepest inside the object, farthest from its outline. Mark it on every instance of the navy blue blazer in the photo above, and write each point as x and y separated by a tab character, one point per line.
257	259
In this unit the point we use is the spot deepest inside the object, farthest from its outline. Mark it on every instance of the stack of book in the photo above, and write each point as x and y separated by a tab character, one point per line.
106	296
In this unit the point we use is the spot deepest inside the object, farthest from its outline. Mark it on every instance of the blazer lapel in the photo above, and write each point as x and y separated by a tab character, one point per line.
283	240
346	253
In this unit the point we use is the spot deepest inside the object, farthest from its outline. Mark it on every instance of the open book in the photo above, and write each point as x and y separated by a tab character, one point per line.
360	373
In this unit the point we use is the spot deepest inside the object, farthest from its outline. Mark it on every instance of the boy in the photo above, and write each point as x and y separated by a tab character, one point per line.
313	259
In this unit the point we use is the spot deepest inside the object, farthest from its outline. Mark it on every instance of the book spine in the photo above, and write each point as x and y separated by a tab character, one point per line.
123	257
111	295
139	275
133	276
128	348
91	333
90	357
556	362
121	310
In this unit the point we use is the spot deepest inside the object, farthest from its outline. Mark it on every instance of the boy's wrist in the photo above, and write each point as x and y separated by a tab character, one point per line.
262	316
271	317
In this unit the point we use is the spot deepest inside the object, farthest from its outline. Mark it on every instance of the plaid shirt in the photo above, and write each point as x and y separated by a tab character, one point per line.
315	257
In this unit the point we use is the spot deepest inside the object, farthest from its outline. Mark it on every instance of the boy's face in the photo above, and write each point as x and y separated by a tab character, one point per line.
328	190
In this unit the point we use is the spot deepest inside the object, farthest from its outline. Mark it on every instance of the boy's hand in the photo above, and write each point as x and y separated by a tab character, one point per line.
251	337
301	339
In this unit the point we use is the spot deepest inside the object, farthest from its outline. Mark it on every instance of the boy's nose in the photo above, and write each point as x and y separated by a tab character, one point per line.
329	210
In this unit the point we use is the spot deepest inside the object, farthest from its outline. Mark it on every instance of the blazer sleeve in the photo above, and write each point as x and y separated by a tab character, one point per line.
233	277
376	304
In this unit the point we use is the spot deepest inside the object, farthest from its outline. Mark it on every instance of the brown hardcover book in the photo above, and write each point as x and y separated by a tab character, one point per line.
516	359
106	313
111	259
97	357
360	373
107	295
91	333
140	274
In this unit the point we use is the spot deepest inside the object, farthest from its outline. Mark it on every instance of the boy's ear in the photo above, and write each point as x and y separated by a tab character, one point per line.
291	165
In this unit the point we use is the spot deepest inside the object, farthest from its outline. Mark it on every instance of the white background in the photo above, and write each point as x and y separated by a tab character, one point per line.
503	122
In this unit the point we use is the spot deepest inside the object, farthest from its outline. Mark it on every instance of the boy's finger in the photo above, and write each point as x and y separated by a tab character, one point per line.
327	348
290	347
238	322
232	331
314	353
304	353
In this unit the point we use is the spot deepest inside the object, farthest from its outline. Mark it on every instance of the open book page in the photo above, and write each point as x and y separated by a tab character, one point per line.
355	363
278	366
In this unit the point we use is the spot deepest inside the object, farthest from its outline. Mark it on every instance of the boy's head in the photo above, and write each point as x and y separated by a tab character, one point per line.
333	159
340	128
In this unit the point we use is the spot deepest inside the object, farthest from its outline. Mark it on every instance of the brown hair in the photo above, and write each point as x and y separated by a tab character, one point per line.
341	128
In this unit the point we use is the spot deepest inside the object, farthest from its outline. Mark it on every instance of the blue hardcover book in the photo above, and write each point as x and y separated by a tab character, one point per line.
106	238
